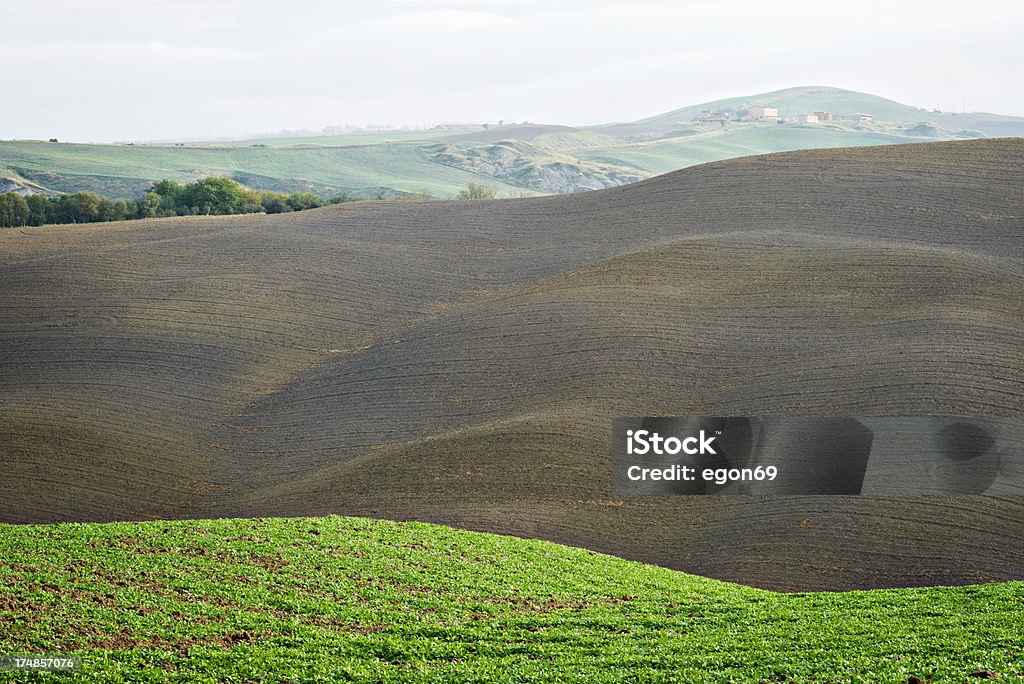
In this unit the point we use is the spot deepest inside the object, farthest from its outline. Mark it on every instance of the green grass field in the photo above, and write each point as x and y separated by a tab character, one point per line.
127	170
346	140
737	140
337	599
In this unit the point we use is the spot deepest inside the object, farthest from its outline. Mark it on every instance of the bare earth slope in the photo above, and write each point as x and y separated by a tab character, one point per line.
461	362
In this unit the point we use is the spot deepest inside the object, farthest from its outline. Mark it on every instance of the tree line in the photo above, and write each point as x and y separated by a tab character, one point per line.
207	196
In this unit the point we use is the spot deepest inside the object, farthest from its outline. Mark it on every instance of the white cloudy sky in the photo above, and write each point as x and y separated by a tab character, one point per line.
100	70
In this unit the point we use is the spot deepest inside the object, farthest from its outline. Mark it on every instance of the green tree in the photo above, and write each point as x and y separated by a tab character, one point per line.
112	211
275	204
167	188
105	211
149	205
36	209
121	210
14	210
82	207
214	195
300	201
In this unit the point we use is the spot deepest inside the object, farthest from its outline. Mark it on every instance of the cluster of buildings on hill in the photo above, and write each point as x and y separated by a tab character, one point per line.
764	113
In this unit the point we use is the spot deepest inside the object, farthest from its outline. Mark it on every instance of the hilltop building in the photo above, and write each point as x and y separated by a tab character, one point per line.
759	113
710	118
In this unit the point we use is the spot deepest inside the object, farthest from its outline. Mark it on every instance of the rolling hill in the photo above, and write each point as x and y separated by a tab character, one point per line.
804	99
517	158
343	599
361	170
792	101
460	362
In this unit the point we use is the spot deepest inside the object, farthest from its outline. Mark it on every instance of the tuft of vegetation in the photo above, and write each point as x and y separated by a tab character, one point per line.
478	191
348	599
208	196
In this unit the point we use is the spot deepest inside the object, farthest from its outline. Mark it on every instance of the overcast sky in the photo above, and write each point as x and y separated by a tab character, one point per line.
102	70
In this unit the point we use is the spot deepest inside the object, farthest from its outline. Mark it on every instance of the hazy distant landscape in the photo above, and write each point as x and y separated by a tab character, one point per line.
520	158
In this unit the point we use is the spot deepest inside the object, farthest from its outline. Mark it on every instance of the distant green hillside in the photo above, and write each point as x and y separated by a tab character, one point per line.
707	144
793	101
992	125
516	158
805	99
347	599
127	170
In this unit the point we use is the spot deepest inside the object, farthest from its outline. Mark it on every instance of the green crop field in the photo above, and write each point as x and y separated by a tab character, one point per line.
340	599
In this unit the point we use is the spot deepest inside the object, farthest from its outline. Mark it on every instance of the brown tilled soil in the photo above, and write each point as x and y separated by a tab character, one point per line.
461	362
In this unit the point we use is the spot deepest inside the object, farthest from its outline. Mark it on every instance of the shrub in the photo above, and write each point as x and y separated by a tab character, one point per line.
478	191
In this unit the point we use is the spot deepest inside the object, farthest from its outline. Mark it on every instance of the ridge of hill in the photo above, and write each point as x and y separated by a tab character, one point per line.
342	599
